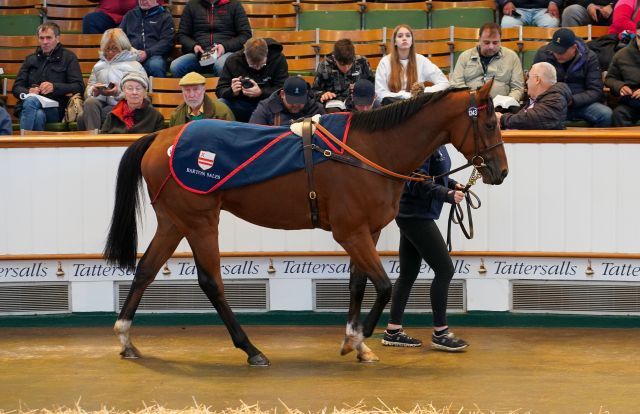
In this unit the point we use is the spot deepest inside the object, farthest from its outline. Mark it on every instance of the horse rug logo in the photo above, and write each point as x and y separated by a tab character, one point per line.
206	159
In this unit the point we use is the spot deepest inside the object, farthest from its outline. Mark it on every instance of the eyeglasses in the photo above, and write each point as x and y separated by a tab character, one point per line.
133	89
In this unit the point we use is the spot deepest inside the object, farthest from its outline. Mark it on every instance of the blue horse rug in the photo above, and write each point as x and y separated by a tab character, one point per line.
211	154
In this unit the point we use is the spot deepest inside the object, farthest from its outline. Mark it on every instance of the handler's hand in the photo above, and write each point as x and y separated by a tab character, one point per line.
458	196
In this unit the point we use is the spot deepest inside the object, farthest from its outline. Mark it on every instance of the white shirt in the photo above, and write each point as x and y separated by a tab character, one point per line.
427	71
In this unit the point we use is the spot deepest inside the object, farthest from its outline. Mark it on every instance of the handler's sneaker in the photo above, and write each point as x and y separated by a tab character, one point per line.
400	339
448	342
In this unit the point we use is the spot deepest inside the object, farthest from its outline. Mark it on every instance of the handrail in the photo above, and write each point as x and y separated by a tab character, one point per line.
384	253
568	136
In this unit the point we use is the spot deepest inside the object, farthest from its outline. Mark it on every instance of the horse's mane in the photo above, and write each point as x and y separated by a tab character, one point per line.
389	116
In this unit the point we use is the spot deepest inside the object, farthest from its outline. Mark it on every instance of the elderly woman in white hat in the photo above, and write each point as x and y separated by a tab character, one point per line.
134	113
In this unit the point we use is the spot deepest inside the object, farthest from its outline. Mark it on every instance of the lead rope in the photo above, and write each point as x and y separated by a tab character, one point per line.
456	213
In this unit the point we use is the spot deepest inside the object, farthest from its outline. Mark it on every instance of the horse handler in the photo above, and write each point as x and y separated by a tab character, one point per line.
420	238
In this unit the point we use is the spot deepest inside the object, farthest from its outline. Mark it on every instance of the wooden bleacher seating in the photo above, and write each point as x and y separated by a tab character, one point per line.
20	7
271	16
68	14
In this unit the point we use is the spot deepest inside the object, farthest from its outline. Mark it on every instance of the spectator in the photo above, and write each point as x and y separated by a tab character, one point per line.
585	12
542	13
291	102
117	59
251	75
489	60
623	77
338	72
398	71
625	17
133	114
106	16
364	96
578	67
150	30
6	127
197	105
548	102
52	72
219	26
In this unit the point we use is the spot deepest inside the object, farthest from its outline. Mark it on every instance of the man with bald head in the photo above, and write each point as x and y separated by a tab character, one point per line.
548	102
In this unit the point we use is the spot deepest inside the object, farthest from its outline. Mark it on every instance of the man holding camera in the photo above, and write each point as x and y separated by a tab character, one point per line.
291	102
252	75
338	72
209	32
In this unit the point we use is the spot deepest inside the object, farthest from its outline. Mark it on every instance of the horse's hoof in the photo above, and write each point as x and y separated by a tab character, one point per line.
368	357
347	347
259	360
130	352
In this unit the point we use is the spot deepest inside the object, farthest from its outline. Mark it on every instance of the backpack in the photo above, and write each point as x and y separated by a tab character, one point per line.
74	108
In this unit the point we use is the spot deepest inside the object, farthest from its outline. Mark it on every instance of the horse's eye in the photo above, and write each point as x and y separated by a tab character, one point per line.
491	125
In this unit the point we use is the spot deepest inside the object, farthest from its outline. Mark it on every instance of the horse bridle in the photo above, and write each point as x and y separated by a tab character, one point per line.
360	161
456	214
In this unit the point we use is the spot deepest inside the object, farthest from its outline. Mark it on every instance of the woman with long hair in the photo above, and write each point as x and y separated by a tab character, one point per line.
398	71
117	59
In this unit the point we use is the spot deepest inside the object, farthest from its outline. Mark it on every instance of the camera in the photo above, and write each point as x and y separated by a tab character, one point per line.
246	82
209	58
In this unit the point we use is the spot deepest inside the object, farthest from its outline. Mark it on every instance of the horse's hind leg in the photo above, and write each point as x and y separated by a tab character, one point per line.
162	246
206	254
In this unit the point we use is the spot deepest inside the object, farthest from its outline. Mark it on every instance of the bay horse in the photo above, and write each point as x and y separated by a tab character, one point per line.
353	203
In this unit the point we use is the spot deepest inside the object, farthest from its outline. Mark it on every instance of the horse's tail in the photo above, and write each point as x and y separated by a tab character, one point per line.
122	242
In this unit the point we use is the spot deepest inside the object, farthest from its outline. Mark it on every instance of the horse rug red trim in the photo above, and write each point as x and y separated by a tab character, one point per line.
211	154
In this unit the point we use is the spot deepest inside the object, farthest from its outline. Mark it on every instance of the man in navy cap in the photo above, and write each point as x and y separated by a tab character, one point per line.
364	96
578	67
291	102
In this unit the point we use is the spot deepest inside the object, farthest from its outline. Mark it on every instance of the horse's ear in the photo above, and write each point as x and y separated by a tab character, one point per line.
485	91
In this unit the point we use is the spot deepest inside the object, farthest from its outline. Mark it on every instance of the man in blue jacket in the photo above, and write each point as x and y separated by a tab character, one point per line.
149	28
578	67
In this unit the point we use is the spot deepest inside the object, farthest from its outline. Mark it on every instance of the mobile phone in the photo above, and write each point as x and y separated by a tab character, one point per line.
516	14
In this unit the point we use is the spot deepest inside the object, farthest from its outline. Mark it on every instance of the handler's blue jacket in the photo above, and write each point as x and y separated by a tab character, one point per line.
424	200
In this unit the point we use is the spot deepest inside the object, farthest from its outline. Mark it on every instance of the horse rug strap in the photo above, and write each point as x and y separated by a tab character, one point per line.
307	132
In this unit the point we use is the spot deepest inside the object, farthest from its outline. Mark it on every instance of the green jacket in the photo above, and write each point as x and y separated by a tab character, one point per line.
213	109
505	68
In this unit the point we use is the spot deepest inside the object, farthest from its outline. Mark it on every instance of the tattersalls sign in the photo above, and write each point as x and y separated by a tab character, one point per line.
329	267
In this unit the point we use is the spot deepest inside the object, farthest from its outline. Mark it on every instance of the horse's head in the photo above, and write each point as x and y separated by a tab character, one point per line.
479	138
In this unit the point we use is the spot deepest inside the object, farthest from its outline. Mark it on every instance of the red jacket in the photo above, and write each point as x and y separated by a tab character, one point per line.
116	8
622	14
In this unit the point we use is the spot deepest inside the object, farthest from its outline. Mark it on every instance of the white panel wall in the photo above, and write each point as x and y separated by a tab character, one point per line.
557	198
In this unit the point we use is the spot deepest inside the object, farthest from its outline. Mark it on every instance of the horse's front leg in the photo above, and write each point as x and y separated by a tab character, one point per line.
365	263
354	338
210	281
162	246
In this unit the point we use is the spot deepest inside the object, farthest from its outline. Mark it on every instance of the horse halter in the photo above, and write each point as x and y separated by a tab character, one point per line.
477	160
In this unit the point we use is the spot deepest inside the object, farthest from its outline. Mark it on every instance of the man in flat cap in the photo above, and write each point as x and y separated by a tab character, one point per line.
291	102
578	67
197	105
